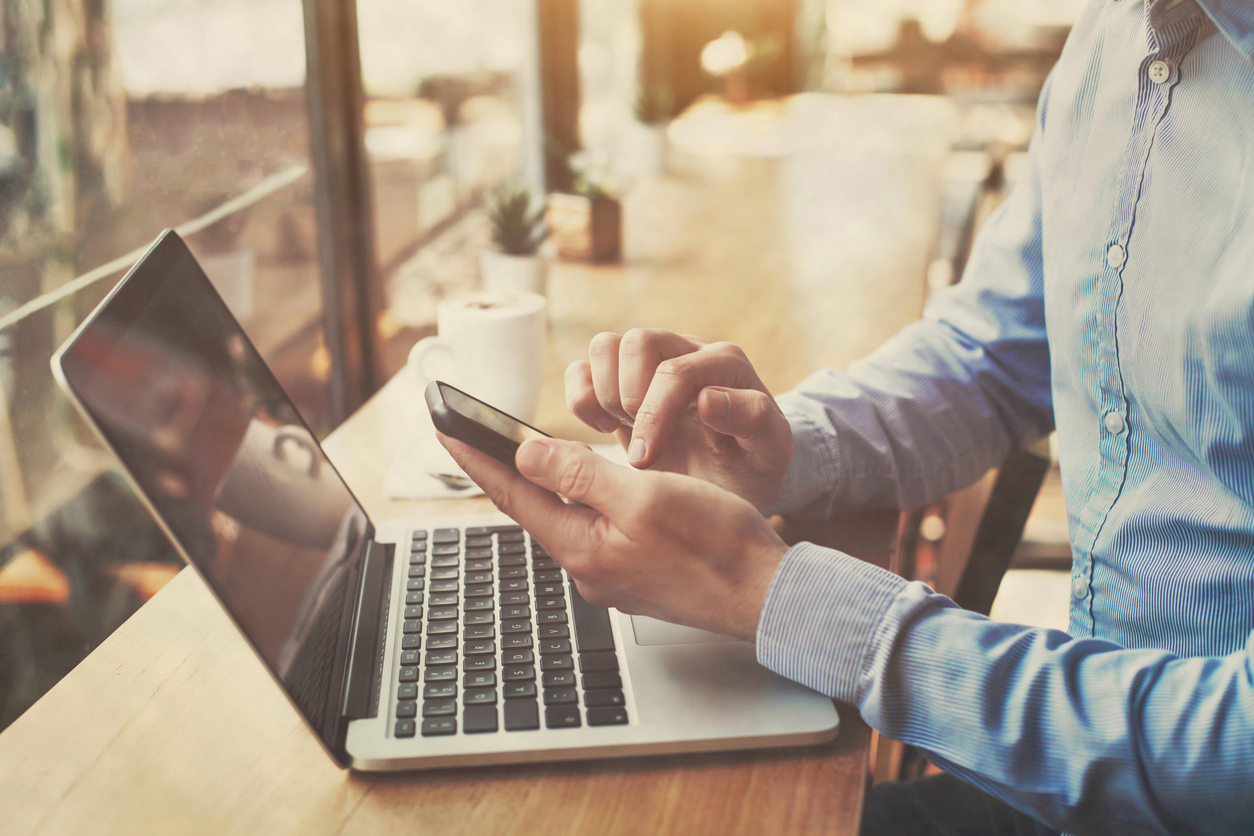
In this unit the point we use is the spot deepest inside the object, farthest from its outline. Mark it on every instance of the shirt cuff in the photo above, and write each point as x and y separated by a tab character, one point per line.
821	619
811	470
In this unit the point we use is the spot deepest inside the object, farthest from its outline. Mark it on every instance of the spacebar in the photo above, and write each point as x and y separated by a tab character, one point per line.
592	624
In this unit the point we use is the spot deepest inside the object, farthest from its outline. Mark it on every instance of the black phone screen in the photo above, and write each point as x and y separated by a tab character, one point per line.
488	416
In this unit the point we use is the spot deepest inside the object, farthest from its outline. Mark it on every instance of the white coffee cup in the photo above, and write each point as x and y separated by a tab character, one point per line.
490	345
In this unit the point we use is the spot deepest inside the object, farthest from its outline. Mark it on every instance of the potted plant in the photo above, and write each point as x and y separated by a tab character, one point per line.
518	230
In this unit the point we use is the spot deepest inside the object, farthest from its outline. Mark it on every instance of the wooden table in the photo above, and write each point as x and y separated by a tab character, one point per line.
173	726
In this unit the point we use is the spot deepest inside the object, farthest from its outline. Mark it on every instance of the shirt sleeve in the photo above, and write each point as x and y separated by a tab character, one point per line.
947	398
1081	734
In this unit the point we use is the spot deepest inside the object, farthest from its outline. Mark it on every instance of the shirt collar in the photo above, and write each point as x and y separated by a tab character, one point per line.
1235	18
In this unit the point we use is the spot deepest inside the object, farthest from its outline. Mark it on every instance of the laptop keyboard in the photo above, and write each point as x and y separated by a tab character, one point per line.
487	639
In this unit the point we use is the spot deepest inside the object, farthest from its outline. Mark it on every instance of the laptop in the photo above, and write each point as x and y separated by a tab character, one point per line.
405	643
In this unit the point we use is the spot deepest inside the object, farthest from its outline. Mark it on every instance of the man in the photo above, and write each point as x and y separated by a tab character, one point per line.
1111	298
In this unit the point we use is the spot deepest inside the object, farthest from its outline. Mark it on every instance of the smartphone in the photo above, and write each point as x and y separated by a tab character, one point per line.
476	423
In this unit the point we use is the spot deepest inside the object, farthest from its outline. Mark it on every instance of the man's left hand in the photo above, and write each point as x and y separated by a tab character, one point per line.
658	544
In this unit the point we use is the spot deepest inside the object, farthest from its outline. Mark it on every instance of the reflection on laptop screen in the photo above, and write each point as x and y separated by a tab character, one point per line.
227	463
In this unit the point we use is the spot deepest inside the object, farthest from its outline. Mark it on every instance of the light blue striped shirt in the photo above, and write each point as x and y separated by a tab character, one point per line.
1111	297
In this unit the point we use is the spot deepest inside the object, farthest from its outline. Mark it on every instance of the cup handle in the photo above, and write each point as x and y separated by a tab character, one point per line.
421	351
301	439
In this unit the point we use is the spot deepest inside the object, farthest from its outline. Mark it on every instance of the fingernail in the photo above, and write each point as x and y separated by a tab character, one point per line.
531	457
608	424
635	453
720	404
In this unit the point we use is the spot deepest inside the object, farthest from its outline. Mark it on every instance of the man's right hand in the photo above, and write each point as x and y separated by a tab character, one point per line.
684	406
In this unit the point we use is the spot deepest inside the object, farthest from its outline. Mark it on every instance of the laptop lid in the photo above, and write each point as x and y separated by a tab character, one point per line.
230	470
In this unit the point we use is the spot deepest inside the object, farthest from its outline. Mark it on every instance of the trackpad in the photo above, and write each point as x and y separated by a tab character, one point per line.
650	631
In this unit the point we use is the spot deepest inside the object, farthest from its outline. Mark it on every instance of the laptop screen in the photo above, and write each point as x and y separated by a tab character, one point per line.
228	465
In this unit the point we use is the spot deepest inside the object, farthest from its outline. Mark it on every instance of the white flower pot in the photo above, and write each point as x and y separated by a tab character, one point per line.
513	273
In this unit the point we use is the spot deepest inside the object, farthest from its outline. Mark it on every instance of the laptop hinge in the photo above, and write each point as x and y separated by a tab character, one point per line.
366	662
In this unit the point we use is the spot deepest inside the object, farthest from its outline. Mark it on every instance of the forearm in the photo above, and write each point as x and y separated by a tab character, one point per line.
1081	734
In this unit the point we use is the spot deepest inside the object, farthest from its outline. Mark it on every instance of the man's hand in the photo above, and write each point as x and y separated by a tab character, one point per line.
680	405
648	543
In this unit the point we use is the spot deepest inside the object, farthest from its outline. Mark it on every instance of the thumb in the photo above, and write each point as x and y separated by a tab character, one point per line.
745	414
572	470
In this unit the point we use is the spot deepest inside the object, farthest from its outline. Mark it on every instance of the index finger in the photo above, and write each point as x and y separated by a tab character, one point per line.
675	385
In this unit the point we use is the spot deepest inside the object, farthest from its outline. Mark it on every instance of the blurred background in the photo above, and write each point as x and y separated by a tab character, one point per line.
327	161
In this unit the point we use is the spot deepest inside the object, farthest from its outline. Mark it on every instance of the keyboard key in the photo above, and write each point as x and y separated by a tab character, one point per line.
439	708
478	553
478	577
478	604
553	631
479	590
520	673
551	617
413	597
507	529
590	662
547	576
479	663
557	679
479	646
477	542
410	657
515	627
514	585
479	719
407	691
551	646
417	559
445	560
515	612
442	613
594	681
434	726
557	663
408	674
511	548
517	640
441	628
411	627
446	535
479	531
479	631
512	560
439	691
442	643
419	535
544	564
479	696
513	572
405	728
486	617
607	716
516	690
601	699
417	571
515	598
521	715
443	599
439	674
407	708
551	603
441	658
446	574
562	717
444	586
550	589
592	625
414	584
483	564
560	696
518	656
414	612
479	679
413	642
445	550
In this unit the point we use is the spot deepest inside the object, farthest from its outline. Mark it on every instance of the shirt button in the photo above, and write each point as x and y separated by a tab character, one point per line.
1114	422
1159	71
1115	256
1079	588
